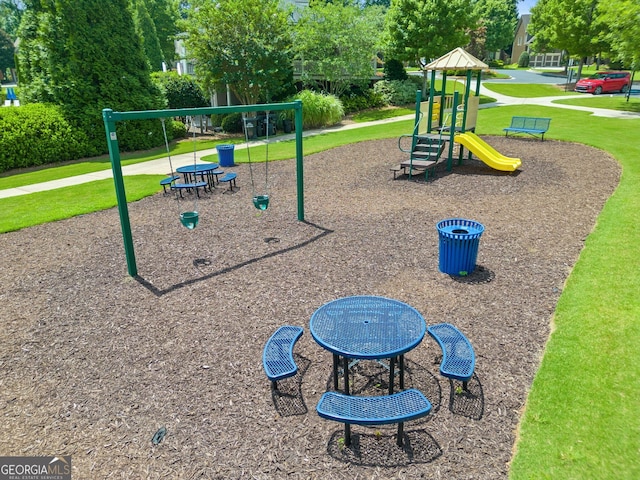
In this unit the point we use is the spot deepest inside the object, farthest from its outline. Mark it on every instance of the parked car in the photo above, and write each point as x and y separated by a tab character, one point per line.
604	82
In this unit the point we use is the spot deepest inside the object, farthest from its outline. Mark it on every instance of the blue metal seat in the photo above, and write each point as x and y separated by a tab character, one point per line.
277	357
189	186
229	177
168	181
377	410
458	358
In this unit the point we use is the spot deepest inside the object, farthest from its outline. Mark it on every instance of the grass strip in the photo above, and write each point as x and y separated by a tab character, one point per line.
519	90
44	207
582	416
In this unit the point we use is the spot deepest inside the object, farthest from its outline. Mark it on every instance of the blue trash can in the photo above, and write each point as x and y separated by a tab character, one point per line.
459	241
225	155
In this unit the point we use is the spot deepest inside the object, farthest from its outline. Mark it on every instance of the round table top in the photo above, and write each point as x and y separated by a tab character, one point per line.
199	167
367	327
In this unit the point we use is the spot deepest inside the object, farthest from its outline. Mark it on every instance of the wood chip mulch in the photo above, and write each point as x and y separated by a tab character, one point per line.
94	362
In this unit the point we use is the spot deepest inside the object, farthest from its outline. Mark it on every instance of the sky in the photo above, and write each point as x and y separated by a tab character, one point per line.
525	6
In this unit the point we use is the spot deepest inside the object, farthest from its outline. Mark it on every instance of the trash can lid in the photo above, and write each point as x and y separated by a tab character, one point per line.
225	146
460	227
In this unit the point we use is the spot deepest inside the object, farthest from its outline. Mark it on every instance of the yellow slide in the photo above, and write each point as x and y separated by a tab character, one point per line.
487	153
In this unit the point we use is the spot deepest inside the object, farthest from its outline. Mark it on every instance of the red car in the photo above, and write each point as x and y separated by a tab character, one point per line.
604	82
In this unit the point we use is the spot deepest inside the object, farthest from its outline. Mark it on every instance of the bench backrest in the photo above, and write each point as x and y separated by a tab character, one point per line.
533	123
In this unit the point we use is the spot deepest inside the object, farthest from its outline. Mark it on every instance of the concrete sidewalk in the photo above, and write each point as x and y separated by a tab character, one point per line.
161	166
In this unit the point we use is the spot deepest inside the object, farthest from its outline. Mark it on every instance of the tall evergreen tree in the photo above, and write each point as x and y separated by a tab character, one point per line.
146	29
85	55
10	14
7	57
165	16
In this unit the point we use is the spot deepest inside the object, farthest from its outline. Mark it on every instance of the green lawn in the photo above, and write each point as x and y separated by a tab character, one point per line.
526	91
582	418
613	102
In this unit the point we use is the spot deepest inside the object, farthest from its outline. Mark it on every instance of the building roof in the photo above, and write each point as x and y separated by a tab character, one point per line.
457	59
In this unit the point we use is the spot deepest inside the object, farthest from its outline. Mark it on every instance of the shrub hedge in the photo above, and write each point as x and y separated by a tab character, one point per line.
397	92
357	100
38	134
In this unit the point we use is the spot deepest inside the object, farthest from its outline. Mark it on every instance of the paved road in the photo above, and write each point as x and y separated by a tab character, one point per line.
527	76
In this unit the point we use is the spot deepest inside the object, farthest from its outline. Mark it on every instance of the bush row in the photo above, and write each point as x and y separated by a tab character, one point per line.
398	92
39	134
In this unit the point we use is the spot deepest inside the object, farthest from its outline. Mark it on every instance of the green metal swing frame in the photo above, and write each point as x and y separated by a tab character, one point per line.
111	118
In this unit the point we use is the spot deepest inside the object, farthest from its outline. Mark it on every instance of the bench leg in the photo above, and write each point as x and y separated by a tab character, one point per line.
464	386
400	434
347	434
274	385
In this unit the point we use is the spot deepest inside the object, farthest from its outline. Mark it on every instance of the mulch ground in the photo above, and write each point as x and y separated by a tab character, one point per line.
94	362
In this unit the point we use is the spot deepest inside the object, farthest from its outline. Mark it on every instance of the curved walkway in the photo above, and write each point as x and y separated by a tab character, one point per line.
159	166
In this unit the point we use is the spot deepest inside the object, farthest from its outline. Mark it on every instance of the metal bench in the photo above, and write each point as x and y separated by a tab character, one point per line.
277	357
188	186
458	359
168	181
229	177
379	410
531	125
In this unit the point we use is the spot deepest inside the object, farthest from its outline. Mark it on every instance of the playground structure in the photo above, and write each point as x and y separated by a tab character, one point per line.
110	119
443	120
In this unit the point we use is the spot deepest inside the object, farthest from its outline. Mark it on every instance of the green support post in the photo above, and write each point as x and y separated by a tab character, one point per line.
452	130
432	87
116	168
299	167
416	125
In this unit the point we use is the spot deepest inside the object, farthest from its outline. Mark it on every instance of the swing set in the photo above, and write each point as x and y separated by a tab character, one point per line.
190	218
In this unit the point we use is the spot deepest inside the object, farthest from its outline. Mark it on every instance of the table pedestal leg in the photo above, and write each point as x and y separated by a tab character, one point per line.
346	375
335	371
392	364
401	372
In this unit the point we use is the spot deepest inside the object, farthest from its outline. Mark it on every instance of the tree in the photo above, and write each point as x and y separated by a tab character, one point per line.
146	30
245	44
7	53
336	45
10	14
621	17
419	31
165	16
181	91
500	18
573	26
85	55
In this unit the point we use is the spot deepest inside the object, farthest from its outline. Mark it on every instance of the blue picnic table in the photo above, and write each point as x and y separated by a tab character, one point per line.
367	328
